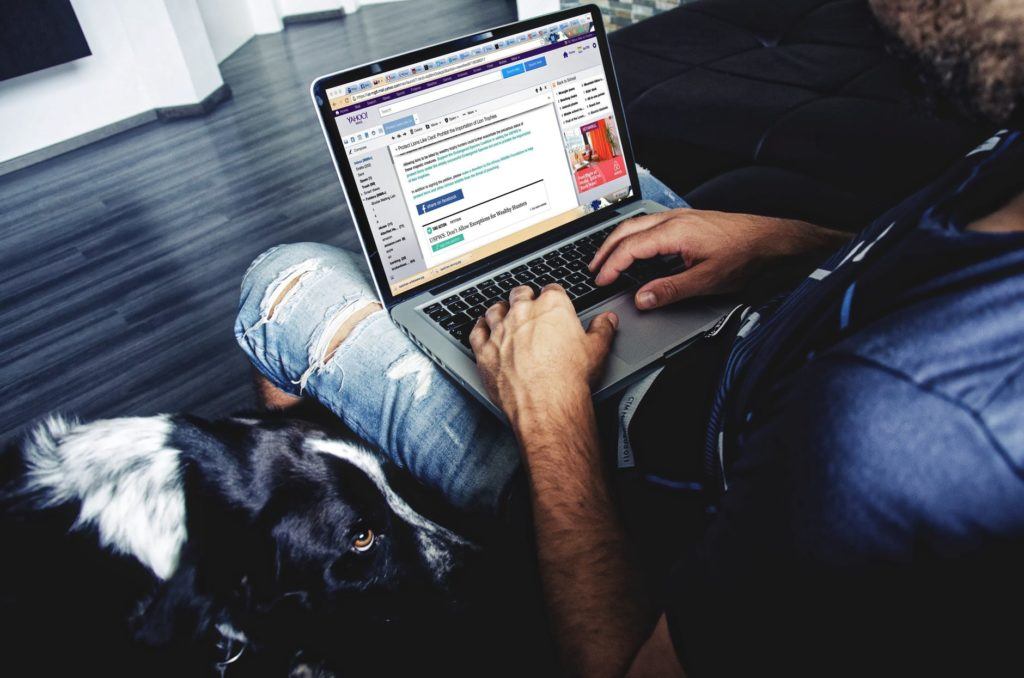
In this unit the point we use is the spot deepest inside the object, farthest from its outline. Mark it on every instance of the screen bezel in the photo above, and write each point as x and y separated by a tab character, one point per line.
472	269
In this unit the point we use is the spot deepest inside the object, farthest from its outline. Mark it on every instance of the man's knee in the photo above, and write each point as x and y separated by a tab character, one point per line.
285	320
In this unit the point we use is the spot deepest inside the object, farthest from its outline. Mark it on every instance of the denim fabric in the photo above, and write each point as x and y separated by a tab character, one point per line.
378	382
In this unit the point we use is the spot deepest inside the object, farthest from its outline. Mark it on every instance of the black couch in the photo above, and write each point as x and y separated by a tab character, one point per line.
783	107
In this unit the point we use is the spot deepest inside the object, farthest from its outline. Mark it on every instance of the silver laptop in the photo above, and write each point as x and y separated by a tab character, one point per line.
495	160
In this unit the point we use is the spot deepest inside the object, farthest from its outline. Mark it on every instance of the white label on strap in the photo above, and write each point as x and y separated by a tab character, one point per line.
627	408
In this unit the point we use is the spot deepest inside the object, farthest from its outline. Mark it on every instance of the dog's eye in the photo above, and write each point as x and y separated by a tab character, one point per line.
363	541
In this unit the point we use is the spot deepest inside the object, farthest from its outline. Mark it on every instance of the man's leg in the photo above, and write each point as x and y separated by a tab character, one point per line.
652	188
311	325
310	322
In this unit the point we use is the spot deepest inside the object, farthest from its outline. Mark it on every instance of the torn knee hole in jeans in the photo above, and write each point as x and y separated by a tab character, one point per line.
334	332
282	289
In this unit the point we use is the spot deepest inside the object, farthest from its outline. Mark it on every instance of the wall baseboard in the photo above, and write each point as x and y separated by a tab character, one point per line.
307	17
209	102
61	147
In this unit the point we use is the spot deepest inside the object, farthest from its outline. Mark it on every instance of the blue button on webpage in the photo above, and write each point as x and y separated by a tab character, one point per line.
401	123
536	63
509	71
439	201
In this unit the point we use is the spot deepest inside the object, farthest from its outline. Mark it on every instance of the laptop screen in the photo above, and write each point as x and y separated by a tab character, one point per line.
461	156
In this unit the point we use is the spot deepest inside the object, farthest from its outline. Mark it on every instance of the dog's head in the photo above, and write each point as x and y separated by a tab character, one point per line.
294	531
344	537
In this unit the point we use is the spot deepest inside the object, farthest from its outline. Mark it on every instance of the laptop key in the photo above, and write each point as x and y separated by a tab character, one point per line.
543	280
551	255
534	262
503	276
468	291
439	315
577	266
555	262
520	269
539	269
493	300
474	299
576	278
484	283
454	320
580	289
595	296
456	306
475	312
507	284
450	299
560	273
432	308
525	276
461	333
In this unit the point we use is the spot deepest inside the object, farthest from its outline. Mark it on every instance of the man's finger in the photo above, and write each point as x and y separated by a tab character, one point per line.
624	229
692	282
478	335
495	314
642	245
521	293
602	330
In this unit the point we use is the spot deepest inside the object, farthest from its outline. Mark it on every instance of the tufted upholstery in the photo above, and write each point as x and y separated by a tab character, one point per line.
782	107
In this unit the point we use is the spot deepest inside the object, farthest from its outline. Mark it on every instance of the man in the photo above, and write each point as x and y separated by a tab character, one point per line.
865	433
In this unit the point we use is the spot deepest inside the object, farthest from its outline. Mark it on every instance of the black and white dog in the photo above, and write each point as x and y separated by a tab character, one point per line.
172	545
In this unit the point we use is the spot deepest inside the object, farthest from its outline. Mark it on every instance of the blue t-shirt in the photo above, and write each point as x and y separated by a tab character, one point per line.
869	432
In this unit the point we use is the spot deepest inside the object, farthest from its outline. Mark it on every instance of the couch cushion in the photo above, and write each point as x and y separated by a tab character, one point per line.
761	105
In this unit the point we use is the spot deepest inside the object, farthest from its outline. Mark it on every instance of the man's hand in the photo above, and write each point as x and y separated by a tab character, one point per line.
534	355
721	250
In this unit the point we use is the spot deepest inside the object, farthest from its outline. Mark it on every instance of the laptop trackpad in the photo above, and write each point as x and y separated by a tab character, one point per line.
646	335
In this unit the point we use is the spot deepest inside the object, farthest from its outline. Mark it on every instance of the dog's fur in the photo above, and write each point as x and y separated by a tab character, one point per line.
162	545
971	49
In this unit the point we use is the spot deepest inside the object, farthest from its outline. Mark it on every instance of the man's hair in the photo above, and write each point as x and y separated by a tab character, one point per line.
973	49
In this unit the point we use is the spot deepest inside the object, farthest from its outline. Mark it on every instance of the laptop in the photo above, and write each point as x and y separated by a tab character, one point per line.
495	160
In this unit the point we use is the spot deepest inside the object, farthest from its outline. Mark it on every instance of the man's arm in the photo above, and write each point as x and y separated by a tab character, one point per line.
538	363
722	250
595	598
598	608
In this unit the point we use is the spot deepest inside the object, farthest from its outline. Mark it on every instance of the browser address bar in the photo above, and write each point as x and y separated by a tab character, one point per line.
439	93
454	68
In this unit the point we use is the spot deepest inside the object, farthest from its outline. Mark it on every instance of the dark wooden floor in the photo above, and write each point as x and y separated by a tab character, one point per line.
120	262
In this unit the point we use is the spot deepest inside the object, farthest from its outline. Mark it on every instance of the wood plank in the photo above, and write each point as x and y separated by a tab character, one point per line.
120	261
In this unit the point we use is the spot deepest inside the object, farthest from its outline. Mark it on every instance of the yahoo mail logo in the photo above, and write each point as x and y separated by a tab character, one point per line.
357	118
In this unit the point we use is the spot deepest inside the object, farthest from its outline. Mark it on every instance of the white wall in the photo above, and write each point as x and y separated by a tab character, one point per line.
146	54
229	24
65	101
530	8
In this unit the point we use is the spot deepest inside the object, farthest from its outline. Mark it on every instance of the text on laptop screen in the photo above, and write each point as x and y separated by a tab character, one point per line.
465	155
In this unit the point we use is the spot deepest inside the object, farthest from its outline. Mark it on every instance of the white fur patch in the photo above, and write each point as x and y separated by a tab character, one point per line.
435	541
126	477
414	363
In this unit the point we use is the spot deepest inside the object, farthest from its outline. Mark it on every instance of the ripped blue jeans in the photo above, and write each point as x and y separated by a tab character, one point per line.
294	299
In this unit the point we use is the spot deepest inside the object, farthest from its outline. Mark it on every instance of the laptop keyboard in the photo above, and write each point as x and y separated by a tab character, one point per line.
567	266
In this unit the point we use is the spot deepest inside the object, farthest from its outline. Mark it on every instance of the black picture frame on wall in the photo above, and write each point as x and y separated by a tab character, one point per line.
38	34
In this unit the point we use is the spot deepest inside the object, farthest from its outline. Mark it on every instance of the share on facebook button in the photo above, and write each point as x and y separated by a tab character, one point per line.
439	201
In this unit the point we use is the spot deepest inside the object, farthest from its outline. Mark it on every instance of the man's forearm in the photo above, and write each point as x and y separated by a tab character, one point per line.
596	601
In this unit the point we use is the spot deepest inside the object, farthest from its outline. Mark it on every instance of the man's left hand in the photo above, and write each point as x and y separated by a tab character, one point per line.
534	355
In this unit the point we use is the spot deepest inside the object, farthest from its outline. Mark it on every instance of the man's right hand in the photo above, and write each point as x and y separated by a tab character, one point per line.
721	250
